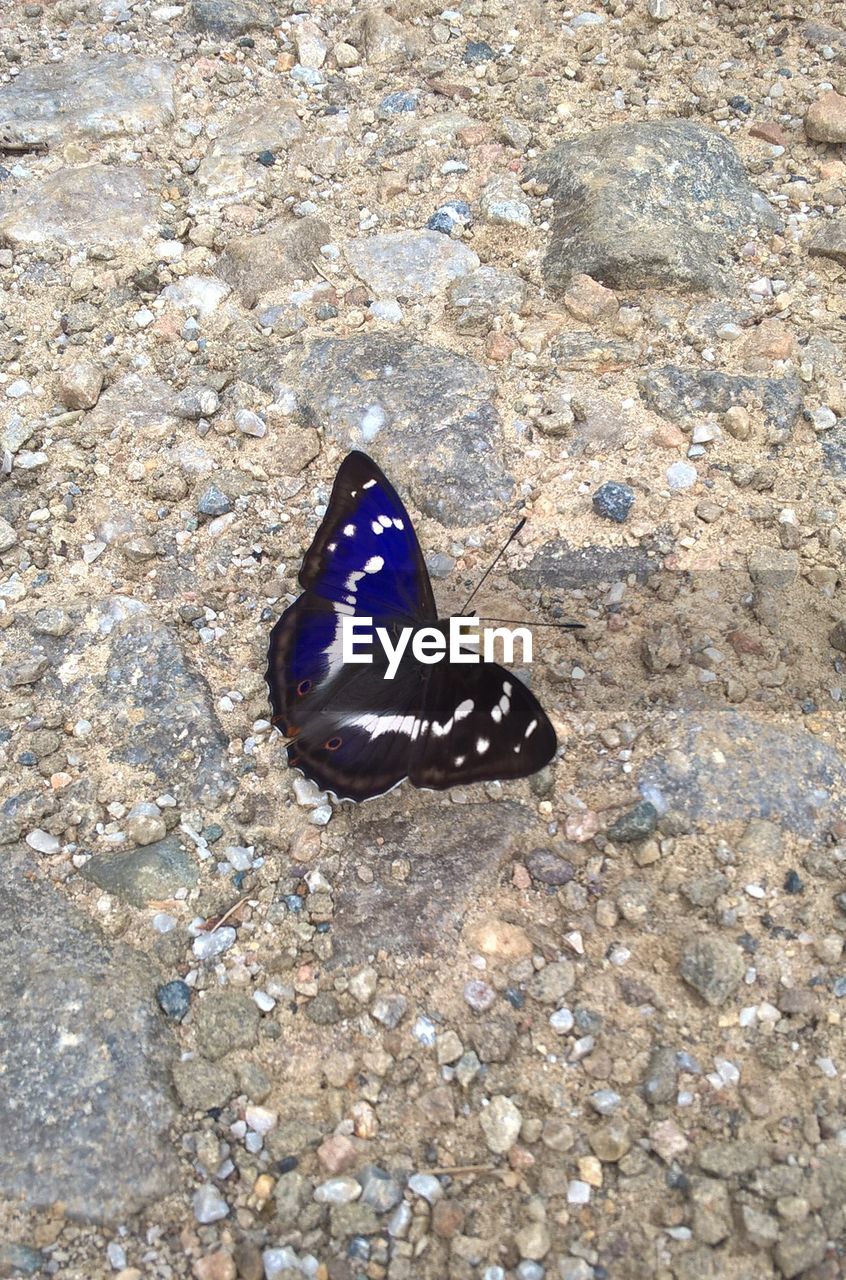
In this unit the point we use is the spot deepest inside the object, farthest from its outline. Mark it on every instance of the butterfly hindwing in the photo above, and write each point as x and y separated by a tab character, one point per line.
482	724
357	741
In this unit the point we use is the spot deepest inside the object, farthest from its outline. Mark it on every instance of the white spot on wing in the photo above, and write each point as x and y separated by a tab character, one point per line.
496	715
459	761
331	546
353	580
385	522
398	524
506	688
530	730
374	564
462	711
375	725
376	527
441	730
368	484
482	745
349	530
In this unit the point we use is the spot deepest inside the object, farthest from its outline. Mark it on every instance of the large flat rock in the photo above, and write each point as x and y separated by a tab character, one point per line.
721	765
230	170
89	97
97	204
426	415
284	252
685	395
409	264
455	853
84	1060
648	204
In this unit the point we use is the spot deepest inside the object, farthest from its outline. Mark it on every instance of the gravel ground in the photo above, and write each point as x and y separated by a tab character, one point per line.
583	263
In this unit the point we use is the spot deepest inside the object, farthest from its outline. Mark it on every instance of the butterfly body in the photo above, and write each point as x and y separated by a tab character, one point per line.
354	731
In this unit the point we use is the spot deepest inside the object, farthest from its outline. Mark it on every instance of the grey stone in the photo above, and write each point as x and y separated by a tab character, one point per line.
225	1022
659	1083
202	1085
583	350
20	1260
830	241
139	876
93	97
559	566
455	857
379	1189
493	1039
80	1023
159	710
800	1249
720	765
231	18
637	824
712	1220
353	1220
230	170
409	264
648	204
93	205
423	413
684	395
731	1159
282	253
553	982
500	1121
549	868
488	290
833	446
713	966
290	1194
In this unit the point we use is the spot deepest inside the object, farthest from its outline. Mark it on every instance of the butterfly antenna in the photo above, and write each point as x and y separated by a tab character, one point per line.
517	622
493	563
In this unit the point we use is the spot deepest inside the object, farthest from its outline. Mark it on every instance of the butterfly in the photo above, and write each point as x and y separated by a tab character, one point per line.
354	732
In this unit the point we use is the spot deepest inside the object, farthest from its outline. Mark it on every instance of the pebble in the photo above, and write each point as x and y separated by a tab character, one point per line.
680	475
479	995
379	1189
500	1121
207	946
825	119
212	502
80	385
713	966
43	842
342	1190
426	1186
174	998
614	501
638	824
390	1010
209	1205
144	824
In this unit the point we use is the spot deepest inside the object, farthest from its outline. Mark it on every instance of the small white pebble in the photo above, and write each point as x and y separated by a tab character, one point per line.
43	842
578	1192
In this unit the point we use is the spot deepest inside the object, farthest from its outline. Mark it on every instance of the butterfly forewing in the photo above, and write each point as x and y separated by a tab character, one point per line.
365	555
481	724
